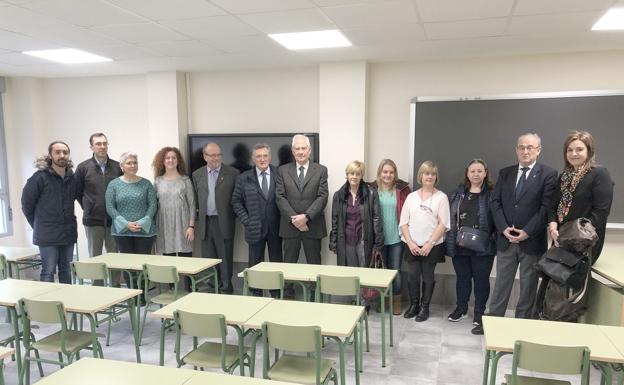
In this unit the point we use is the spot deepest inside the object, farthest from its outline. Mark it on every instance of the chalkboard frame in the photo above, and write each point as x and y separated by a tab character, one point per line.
552	147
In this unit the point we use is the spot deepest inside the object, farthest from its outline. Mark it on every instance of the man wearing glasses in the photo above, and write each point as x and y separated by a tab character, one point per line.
92	177
214	184
520	201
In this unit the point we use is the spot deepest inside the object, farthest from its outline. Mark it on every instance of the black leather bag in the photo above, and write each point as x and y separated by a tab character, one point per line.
577	236
473	239
565	267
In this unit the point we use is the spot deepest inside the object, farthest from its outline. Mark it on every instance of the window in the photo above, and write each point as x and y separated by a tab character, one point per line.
6	217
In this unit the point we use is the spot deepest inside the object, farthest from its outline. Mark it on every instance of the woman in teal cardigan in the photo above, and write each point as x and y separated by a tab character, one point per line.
131	203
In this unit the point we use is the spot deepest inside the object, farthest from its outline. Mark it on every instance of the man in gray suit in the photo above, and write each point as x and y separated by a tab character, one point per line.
214	184
301	194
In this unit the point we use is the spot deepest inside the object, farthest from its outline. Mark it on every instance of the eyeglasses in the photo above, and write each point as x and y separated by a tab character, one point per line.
213	155
523	148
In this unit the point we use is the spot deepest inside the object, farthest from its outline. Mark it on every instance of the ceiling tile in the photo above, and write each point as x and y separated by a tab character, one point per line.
126	52
242	44
170	10
183	48
382	35
361	15
140	33
211	26
535	7
85	13
300	20
553	24
331	3
16	19
17	42
70	36
255	6
448	10
466	29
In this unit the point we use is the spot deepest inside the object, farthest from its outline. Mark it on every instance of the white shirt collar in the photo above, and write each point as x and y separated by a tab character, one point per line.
529	166
259	173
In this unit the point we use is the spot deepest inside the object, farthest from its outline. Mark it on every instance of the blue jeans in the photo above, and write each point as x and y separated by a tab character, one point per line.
471	268
53	256
393	255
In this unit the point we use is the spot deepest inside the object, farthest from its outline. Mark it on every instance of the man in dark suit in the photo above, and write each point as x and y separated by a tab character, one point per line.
301	188
214	184
520	202
254	204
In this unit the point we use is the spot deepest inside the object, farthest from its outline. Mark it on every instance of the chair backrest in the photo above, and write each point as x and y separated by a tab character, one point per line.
334	285
161	274
564	360
90	270
200	325
263	280
50	312
4	271
299	339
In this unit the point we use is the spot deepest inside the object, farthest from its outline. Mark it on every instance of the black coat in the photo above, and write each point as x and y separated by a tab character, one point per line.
372	230
92	183
258	214
592	199
48	205
529	212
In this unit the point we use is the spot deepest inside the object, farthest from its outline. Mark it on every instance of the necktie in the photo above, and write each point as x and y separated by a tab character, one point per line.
521	182
265	184
301	177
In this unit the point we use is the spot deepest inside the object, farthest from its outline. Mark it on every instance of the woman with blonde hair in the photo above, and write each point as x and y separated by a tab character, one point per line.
425	218
392	193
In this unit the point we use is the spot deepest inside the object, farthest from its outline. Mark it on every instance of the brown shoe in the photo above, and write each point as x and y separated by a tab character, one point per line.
396	304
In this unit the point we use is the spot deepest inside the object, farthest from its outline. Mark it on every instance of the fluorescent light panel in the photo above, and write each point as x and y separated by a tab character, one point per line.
310	40
67	56
612	20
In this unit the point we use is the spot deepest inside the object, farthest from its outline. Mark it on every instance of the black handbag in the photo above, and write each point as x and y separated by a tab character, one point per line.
578	235
471	238
565	267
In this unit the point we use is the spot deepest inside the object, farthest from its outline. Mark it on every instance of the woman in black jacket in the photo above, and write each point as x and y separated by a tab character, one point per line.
470	207
585	189
356	224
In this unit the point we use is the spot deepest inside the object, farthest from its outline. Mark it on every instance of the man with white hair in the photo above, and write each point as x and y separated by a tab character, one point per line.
301	194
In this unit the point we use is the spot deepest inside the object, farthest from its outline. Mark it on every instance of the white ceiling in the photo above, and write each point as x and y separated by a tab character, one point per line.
190	35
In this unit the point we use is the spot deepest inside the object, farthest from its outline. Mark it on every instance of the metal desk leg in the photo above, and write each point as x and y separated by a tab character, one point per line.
495	357
18	350
215	279
95	345
134	323
383	328
341	350
390	314
163	328
486	367
241	339
357	351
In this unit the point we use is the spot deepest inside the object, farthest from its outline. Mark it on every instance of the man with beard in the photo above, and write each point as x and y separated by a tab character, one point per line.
48	204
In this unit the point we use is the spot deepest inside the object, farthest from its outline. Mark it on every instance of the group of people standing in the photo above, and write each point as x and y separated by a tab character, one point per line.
282	209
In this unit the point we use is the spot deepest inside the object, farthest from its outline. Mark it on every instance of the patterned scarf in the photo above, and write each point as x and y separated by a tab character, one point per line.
570	178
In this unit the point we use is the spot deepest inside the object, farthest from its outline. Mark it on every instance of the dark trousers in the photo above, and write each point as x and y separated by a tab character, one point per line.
215	245
256	250
393	255
469	269
312	250
135	245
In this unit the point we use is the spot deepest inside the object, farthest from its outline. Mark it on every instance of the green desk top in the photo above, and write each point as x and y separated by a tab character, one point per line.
14	254
88	299
185	265
368	277
5	352
501	334
12	290
333	319
610	266
236	308
95	371
291	271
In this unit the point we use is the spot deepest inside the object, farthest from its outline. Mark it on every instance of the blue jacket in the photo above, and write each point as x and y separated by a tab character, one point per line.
485	221
48	204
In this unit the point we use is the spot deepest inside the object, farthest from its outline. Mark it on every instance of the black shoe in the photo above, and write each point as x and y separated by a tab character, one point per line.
477	330
412	311
457	315
476	321
226	290
423	315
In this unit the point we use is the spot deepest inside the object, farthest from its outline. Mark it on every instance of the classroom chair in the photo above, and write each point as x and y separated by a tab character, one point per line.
564	360
301	369
67	343
263	280
4	270
209	354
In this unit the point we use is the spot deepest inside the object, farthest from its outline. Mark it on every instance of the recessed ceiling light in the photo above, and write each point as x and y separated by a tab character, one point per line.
612	20
67	56
310	40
